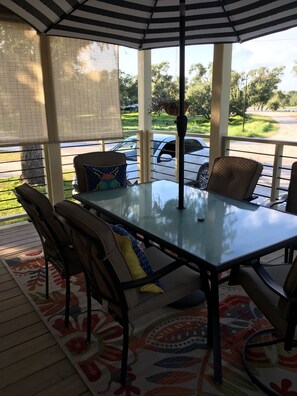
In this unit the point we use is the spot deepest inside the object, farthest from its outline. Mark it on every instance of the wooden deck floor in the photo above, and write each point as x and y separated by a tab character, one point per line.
31	361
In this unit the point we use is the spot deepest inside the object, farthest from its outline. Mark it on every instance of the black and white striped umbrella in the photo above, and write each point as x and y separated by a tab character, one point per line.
148	24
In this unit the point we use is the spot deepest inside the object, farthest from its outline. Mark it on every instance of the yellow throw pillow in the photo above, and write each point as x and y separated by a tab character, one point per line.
135	268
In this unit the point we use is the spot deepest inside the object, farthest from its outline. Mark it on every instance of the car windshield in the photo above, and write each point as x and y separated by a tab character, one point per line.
127	145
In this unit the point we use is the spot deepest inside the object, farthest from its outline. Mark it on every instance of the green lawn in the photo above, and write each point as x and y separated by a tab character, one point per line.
255	126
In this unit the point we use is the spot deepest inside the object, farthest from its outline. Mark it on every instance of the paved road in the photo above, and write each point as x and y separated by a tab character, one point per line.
287	124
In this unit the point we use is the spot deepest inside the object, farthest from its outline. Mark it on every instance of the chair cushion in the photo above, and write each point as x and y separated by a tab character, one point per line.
270	303
176	285
146	266
105	177
133	263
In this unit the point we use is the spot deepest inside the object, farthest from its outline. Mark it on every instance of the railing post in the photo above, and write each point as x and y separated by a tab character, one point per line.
142	156
54	174
220	98
144	117
225	146
277	164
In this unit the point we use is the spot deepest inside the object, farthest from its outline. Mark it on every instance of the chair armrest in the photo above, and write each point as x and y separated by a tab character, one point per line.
252	198
276	202
269	282
155	276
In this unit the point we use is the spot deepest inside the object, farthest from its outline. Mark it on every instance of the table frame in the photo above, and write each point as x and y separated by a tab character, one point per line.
208	270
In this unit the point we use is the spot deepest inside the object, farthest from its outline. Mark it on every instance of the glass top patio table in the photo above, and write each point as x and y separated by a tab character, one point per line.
212	229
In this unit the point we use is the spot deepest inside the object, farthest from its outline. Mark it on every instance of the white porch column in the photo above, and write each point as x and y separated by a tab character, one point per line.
52	152
144	118
221	79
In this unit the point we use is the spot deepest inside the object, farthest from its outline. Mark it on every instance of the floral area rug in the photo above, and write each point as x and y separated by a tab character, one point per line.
168	355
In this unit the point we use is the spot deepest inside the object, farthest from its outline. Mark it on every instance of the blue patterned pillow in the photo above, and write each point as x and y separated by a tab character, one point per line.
106	177
137	249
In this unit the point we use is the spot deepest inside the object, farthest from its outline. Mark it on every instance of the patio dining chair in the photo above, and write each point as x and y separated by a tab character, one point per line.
100	170
115	275
274	290
290	205
56	246
234	177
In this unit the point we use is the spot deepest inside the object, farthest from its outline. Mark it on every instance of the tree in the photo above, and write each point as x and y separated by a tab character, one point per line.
279	99
128	89
238	94
32	164
292	98
262	83
165	88
199	93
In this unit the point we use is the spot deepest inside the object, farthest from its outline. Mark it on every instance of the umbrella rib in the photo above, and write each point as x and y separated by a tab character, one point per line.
230	21
62	16
148	24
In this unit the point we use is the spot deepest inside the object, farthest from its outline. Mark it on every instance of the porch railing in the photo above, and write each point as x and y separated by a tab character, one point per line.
276	156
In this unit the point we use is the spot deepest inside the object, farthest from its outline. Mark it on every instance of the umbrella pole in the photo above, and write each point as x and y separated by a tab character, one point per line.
181	120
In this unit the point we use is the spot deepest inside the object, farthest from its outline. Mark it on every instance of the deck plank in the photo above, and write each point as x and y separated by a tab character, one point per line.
18	337
30	365
17	353
42	380
71	385
31	361
10	293
13	301
12	313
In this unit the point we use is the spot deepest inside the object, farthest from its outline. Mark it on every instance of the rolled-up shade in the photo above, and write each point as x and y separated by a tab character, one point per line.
81	78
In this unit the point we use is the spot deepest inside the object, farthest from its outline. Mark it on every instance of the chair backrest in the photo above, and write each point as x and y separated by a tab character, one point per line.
100	254
40	211
234	177
98	158
291	205
55	242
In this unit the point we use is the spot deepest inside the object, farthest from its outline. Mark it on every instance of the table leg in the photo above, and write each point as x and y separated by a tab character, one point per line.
215	322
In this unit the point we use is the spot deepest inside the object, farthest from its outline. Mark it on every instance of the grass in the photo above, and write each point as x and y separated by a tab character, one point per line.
254	126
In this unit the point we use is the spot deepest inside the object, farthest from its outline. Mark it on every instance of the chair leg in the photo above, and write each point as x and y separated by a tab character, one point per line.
89	310
67	302
46	278
125	352
248	345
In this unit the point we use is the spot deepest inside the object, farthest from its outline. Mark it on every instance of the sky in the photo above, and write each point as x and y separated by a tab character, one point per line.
279	49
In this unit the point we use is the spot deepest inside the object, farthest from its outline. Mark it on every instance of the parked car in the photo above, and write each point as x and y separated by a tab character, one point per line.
131	107
163	159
